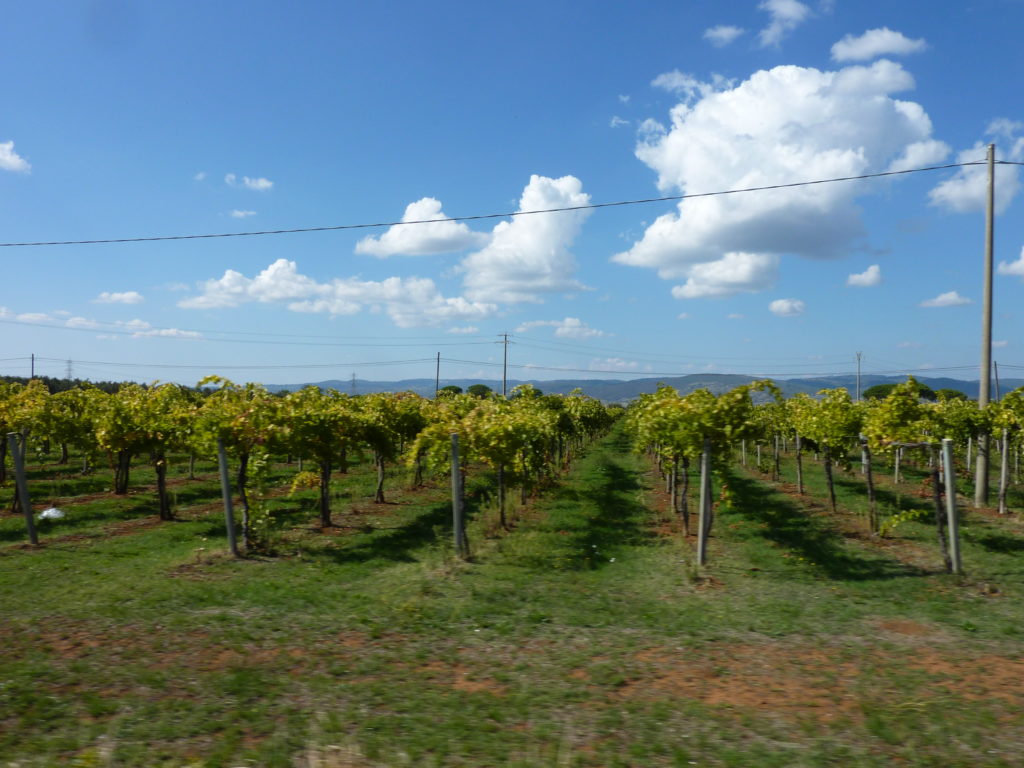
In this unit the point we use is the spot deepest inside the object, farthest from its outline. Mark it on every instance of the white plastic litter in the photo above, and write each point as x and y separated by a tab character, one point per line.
51	514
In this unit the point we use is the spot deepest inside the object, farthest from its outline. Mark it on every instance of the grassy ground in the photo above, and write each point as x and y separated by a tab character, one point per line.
586	636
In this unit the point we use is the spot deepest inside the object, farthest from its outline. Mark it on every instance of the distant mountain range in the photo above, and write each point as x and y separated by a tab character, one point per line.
622	391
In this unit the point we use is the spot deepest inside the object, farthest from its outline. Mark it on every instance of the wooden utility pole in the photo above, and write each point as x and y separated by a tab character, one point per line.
858	376
981	469
504	367
437	375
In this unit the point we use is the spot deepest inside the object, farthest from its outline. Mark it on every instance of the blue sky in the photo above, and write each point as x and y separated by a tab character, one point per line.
135	119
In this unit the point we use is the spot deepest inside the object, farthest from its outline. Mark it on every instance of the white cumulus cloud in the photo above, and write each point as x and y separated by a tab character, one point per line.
119	297
409	302
1013	267
613	363
735	272
167	333
529	256
875	43
11	160
967	190
787	307
407	239
685	86
257	185
722	35
783	125
785	16
948	299
33	317
136	327
866	279
569	328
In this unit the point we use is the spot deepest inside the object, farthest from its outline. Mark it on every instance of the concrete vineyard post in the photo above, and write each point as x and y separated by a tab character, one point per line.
953	523
458	520
1004	471
799	467
225	489
14	441
704	514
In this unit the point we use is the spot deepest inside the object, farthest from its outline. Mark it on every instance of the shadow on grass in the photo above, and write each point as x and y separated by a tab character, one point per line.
79	520
787	525
593	516
996	542
888	499
395	544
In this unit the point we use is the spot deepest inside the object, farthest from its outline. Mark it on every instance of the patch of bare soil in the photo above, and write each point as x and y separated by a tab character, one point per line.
800	681
667	523
906	627
853	526
807	682
983	678
461	678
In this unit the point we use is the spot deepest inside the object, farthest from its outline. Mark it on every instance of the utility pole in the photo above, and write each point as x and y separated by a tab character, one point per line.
858	376
33	366
437	376
504	367
995	369
981	469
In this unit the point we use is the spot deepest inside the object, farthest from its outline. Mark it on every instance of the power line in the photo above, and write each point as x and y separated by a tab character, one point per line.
492	364
480	217
524	366
208	367
153	332
766	374
659	357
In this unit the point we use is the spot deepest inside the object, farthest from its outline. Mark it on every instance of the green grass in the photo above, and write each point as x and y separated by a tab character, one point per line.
584	636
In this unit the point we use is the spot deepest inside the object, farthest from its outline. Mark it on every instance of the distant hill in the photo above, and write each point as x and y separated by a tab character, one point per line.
622	391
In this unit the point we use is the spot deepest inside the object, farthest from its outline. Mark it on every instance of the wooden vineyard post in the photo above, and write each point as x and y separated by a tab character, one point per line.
704	514
952	519
225	489
14	441
458	520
